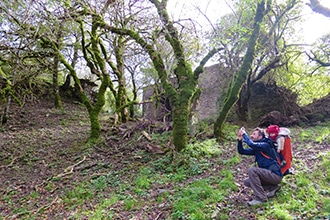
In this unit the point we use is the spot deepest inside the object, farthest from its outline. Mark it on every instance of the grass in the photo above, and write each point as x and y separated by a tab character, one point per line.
318	134
101	211
191	185
193	201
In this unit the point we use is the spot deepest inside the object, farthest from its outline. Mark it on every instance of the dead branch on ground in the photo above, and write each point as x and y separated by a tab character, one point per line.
69	169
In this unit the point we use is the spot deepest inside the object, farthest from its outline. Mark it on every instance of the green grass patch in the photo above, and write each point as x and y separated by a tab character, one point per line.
318	134
130	204
79	194
100	183
280	212
226	182
232	161
103	210
194	201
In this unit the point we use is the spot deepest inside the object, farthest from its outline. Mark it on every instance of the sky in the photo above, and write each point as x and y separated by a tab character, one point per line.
314	26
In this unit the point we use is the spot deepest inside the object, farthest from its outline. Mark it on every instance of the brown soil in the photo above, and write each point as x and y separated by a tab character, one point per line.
42	158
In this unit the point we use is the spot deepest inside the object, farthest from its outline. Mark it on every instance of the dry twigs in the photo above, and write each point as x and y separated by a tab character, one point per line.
69	169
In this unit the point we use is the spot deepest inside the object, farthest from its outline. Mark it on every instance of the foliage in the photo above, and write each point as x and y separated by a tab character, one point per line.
186	185
302	79
275	47
82	40
142	181
320	55
207	148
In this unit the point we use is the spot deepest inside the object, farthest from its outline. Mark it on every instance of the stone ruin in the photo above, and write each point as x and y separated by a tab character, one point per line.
213	82
268	104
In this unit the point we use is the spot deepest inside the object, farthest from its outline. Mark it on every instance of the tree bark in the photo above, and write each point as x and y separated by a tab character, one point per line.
241	76
57	97
121	93
317	7
7	93
93	111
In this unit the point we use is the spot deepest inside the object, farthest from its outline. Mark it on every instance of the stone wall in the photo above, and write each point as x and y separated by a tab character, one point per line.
155	108
214	81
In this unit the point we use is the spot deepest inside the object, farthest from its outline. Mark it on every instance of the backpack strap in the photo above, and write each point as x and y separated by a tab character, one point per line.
277	159
265	155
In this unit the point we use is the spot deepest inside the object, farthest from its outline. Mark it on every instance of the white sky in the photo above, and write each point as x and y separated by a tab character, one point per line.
314	27
315	24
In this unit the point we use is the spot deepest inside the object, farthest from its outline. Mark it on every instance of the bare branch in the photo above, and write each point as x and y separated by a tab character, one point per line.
316	59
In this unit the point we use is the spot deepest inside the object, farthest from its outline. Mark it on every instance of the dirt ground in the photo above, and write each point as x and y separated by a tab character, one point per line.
42	156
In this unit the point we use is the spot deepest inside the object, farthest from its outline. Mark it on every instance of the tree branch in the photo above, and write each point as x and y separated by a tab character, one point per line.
324	64
316	6
200	68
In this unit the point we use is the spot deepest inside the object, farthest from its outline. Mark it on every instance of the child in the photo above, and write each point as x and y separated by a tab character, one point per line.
282	138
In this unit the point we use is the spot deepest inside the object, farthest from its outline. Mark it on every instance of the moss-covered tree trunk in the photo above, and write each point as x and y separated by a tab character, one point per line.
93	109
180	94
4	95
7	93
180	120
267	61
56	63
241	76
180	98
181	107
57	97
121	93
94	112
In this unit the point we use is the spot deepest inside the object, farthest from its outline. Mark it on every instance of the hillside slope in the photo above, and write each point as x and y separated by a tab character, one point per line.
47	172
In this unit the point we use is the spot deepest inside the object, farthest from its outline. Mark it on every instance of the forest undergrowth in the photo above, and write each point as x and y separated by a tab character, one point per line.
48	172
